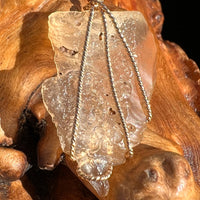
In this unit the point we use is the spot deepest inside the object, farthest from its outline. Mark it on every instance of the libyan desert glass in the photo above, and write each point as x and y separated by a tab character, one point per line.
101	141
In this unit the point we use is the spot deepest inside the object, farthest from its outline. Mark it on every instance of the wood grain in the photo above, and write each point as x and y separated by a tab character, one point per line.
27	60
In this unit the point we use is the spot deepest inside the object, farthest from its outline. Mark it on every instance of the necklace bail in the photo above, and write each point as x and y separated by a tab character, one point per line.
93	3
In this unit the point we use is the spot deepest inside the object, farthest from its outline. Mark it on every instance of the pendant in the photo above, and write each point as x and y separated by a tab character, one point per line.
99	100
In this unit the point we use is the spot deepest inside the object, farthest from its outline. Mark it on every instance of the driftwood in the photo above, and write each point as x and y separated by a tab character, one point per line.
164	166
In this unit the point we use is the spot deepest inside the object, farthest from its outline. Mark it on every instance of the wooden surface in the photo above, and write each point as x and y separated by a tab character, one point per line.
27	60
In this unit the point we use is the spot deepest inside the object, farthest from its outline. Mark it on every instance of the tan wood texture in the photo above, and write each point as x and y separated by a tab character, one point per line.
165	165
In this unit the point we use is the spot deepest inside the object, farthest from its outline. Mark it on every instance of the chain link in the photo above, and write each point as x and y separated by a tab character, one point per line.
113	84
94	4
141	85
80	86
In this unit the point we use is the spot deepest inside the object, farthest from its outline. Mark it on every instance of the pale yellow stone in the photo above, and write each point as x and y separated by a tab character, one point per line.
101	140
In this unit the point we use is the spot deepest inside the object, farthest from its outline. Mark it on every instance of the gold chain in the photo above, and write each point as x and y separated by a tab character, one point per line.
94	4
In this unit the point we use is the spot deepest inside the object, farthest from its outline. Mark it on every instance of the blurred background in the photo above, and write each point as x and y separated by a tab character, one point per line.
182	25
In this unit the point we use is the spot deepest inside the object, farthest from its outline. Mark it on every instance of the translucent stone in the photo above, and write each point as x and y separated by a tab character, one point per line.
101	141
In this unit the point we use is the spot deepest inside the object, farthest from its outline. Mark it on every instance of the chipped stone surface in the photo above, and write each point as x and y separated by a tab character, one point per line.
101	141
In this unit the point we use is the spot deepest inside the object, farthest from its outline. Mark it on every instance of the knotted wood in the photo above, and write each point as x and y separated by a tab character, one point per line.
27	60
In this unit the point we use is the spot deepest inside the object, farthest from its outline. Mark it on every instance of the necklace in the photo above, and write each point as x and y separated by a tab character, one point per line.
99	99
94	4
